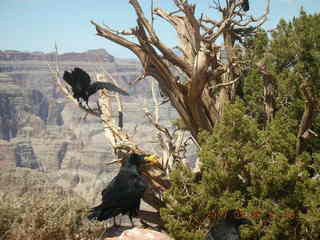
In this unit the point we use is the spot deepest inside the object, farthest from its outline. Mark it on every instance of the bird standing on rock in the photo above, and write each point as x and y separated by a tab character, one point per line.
82	87
123	194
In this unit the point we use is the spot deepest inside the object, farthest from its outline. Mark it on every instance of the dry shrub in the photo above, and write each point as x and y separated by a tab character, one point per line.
46	216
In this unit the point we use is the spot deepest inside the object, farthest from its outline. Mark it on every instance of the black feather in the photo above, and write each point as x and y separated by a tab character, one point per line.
245	5
82	88
107	85
228	228
68	77
123	194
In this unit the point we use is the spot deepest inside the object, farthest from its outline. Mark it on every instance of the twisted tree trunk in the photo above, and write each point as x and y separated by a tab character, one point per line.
198	81
199	61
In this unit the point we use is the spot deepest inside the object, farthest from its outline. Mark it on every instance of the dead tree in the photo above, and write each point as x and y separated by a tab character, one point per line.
209	80
173	144
198	81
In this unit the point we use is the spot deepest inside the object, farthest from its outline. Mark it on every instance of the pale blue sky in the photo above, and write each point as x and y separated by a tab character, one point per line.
34	25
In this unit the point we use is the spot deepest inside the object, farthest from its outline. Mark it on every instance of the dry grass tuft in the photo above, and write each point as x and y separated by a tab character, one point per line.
46	216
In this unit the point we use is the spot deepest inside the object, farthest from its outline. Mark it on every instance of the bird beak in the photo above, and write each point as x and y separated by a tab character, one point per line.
152	159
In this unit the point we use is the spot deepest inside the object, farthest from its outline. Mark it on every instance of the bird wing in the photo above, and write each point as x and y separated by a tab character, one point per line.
81	78
94	87
123	189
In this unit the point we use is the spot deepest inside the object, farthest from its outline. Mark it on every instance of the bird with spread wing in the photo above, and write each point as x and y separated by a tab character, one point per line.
82	88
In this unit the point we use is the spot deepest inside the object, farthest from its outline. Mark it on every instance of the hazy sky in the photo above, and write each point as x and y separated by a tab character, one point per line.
34	25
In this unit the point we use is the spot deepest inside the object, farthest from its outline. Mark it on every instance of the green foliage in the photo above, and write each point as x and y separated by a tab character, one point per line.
179	124
46	216
293	56
250	164
249	169
183	203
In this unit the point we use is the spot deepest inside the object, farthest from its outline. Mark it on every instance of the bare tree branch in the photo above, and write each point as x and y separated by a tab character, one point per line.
167	52
308	114
103	32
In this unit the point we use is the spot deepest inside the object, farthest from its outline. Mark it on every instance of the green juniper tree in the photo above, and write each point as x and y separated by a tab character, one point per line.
250	99
263	156
199	76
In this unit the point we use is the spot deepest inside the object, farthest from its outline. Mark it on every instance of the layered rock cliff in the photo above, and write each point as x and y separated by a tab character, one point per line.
96	55
41	130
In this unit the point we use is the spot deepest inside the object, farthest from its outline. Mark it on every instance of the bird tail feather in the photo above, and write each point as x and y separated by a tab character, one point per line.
100	213
106	85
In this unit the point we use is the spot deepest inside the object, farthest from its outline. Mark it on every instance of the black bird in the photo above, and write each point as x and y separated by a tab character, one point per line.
245	5
82	88
123	194
228	228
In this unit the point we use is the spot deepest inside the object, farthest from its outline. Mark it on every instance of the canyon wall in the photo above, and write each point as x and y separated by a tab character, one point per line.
42	131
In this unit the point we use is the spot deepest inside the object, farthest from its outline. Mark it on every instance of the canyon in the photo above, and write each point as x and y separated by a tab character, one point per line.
44	133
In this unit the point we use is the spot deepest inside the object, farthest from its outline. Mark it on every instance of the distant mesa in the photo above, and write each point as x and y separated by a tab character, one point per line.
95	55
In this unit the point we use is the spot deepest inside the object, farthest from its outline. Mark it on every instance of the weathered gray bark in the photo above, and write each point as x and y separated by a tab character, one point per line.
309	112
199	60
198	81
